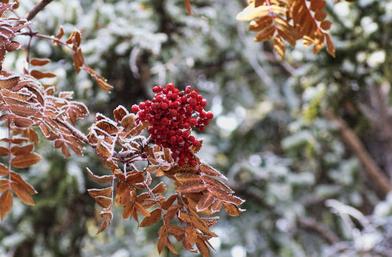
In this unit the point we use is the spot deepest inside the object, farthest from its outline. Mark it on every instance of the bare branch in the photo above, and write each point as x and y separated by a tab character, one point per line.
376	175
323	231
37	8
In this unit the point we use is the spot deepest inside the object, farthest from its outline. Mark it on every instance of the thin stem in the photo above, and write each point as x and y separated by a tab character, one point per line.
37	8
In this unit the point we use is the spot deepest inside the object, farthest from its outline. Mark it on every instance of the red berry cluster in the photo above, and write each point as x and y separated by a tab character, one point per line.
172	114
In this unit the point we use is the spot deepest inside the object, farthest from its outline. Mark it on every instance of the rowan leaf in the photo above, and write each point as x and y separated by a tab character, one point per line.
5	204
25	161
22	193
153	218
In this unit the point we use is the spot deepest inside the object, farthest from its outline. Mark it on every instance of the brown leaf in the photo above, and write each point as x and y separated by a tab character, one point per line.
41	75
231	209
9	82
22	193
25	161
188	7
162	239
16	178
159	189
94	192
167	203
78	59
60	33
191	188
208	170
203	248
153	218
119	113
3	151
39	62
3	170
5	203
22	150
103	201
4	185
135	177
99	179
205	202
142	210
106	219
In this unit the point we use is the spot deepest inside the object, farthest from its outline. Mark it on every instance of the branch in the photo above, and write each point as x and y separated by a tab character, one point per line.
376	175
37	8
77	133
323	231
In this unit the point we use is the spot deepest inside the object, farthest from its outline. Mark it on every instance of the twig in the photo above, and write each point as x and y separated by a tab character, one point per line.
323	231
376	175
37	8
77	133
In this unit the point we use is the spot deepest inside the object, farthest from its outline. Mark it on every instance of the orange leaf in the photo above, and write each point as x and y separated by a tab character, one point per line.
99	179
205	202
3	170
5	203
191	188
3	151
40	75
16	178
100	192
4	185
22	194
153	218
39	62
103	201
22	150
142	210
25	161
188	7
203	248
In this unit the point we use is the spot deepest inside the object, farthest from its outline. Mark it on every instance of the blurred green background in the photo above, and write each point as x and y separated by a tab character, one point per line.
307	194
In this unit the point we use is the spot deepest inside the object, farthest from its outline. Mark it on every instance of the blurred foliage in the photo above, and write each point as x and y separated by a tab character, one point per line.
307	194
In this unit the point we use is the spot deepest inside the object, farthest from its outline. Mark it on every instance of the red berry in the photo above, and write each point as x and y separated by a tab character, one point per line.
135	108
172	114
156	89
209	115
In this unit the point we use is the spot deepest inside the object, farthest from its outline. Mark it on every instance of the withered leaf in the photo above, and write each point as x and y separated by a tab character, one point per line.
3	170
94	192
25	161
22	150
4	185
231	209
169	201
153	218
205	202
16	178
159	189
203	248
99	179
135	177
162	239
22	193
142	210
188	6
78	59
103	201
191	188
9	82
39	62
41	75
106	219
5	203
3	151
